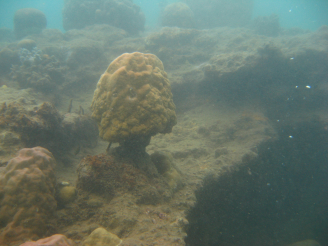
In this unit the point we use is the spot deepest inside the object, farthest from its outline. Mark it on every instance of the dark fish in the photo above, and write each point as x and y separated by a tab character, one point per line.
70	106
77	150
108	147
81	111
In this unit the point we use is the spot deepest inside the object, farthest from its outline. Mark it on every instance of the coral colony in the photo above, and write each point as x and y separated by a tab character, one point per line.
28	57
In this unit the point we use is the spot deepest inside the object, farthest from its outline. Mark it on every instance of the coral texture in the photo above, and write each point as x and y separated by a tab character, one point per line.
39	71
54	240
133	99
29	21
27	187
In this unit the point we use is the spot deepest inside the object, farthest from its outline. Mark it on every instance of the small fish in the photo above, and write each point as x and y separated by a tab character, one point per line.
77	150
108	147
81	111
70	106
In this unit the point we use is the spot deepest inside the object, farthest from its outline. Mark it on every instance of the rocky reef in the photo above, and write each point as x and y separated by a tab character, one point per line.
26	125
237	92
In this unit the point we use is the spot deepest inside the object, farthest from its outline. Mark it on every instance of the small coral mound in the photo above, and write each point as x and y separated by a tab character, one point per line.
65	194
54	240
26	43
101	237
29	21
179	15
27	187
133	99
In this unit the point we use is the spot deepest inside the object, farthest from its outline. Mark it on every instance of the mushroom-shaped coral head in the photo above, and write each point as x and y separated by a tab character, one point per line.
133	100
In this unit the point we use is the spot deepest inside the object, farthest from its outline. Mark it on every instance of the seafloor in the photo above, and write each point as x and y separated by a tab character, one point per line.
234	91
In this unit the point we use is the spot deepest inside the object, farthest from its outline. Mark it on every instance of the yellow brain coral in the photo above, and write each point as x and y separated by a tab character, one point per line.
133	99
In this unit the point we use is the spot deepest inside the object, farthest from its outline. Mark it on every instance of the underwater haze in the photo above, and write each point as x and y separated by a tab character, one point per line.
163	122
293	13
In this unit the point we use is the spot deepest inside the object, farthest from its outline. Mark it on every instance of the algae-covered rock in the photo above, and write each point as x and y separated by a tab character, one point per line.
66	194
102	174
101	237
165	167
